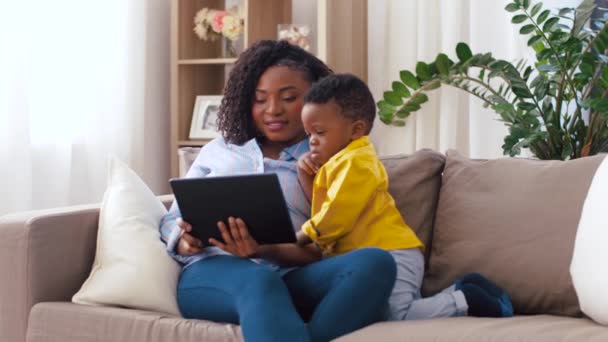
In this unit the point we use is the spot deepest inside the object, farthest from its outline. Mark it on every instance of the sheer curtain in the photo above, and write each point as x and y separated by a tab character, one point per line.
402	32
80	80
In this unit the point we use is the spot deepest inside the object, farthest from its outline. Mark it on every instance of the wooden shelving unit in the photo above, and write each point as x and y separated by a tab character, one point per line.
197	67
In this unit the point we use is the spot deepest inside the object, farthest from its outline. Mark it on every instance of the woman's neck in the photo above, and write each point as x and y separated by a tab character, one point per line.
273	150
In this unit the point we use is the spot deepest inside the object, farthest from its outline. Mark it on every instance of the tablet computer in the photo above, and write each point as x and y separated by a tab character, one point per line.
257	199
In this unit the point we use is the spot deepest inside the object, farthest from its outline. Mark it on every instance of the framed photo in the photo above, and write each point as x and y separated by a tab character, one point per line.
204	117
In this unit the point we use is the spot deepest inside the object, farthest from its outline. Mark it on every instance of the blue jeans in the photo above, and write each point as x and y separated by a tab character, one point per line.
335	295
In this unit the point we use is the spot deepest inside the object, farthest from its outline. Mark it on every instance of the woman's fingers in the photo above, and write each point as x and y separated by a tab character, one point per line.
184	225
186	248
242	228
225	233
234	230
191	240
217	243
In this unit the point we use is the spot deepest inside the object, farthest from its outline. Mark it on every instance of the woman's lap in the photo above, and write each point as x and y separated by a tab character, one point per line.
354	285
234	290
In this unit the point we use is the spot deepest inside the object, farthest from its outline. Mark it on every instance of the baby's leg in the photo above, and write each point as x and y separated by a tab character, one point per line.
406	303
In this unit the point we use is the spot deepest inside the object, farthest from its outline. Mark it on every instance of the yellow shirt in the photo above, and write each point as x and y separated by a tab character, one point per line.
351	206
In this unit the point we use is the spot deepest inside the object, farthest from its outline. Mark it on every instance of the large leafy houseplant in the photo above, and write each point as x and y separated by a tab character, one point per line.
557	107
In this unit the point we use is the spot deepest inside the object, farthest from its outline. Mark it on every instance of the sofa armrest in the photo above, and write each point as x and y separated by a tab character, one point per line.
44	256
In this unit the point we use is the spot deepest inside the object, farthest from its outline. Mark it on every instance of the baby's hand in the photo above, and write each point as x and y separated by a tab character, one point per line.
307	165
303	239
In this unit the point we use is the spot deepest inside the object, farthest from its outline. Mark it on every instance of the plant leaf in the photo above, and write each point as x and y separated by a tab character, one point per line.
526	29
525	4
400	89
392	98
535	39
536	8
419	99
526	106
402	113
411	107
548	25
511	7
423	71
432	85
443	64
398	123
409	79
385	107
543	16
463	52
518	19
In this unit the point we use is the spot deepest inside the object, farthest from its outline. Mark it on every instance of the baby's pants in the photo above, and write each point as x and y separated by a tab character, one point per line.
406	302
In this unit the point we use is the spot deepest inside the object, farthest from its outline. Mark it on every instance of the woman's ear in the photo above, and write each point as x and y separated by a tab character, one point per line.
358	129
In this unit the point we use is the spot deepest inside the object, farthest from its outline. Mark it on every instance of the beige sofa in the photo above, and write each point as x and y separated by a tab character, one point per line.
513	220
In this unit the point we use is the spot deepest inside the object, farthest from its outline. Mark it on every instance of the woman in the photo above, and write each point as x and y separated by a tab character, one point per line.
271	290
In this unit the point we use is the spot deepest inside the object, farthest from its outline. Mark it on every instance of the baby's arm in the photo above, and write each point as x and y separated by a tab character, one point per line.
307	170
303	239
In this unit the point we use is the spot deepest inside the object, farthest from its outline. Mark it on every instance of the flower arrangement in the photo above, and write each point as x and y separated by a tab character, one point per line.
295	34
211	24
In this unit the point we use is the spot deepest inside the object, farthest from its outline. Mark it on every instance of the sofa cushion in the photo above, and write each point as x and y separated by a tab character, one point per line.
68	322
590	253
131	267
513	220
541	328
414	183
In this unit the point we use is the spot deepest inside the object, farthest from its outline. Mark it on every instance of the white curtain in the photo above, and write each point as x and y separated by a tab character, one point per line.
80	80
402	32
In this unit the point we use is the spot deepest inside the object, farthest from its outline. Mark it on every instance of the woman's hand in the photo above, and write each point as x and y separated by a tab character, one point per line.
237	240
187	244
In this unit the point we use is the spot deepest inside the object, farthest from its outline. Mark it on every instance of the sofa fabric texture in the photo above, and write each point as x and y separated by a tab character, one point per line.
515	221
61	321
414	183
537	328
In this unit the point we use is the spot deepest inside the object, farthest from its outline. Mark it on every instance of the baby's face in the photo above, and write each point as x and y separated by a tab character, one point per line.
328	130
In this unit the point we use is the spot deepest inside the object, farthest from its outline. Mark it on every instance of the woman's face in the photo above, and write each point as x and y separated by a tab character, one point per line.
277	106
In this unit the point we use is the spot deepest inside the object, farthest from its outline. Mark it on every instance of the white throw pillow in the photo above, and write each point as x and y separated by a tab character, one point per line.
131	268
590	255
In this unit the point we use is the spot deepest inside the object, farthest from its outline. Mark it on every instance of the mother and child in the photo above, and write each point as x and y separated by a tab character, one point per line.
356	261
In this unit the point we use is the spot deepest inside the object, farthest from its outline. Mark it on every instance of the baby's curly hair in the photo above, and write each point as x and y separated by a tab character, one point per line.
350	93
235	121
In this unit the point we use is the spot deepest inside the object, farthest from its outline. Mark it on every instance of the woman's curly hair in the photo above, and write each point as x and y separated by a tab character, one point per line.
235	121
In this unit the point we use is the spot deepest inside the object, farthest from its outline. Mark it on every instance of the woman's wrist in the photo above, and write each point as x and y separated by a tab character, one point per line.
264	251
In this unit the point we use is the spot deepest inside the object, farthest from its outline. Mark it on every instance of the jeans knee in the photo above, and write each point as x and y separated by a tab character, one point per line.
261	281
376	263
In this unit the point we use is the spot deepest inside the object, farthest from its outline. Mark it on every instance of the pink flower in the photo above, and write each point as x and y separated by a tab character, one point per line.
217	22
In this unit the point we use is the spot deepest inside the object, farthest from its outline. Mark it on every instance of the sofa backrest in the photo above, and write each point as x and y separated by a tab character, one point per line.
414	183
513	220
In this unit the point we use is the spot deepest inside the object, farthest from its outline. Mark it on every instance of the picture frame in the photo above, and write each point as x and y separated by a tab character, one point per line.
204	117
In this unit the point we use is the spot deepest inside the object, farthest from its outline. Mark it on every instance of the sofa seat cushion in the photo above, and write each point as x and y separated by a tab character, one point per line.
541	328
66	322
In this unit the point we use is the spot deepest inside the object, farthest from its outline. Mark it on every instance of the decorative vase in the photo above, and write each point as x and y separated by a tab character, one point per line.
229	49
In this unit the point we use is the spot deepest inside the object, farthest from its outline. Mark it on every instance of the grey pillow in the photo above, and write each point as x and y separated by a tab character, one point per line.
414	183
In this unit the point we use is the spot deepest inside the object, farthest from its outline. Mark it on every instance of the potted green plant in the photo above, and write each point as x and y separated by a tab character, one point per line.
557	107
